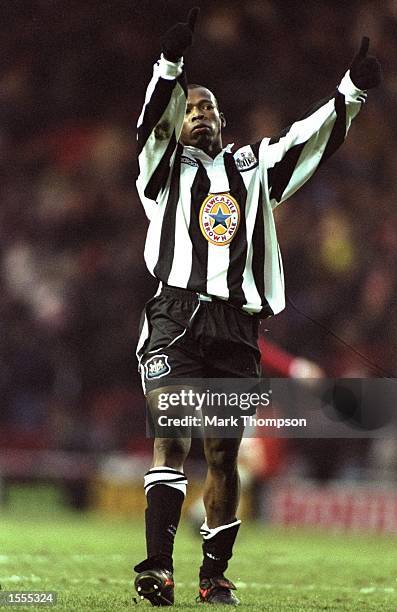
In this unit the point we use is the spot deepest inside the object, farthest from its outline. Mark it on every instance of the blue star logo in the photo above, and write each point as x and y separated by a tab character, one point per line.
220	218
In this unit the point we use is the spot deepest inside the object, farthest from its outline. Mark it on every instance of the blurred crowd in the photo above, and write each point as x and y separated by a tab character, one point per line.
72	278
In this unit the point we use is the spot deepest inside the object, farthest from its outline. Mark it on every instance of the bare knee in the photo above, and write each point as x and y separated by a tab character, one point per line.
172	445
170	452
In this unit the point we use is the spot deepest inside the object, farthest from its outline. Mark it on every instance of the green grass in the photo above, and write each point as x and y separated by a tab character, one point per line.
88	561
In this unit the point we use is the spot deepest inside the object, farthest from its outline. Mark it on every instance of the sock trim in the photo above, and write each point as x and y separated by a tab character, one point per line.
163	469
209	533
165	476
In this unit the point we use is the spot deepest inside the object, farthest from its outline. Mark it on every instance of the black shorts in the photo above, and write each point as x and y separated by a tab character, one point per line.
191	336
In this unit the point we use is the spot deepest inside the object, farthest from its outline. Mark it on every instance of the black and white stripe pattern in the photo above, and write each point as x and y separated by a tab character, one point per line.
174	181
165	476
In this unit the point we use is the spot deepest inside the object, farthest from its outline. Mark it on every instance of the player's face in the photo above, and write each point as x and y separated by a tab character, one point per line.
203	121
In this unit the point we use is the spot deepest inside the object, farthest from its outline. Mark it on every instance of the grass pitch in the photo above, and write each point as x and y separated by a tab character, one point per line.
88	561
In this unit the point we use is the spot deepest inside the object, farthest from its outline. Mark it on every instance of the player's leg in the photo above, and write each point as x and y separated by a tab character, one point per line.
222	485
231	353
165	488
219	531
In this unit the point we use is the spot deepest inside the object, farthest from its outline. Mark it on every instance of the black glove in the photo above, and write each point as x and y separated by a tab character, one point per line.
365	72
178	38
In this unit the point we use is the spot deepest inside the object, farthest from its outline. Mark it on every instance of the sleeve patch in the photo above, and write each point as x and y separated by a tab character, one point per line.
245	159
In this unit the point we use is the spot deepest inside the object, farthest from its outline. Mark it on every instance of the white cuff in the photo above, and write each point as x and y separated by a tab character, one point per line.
169	70
209	533
350	91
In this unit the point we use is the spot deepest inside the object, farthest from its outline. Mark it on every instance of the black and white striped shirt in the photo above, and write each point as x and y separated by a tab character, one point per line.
211	220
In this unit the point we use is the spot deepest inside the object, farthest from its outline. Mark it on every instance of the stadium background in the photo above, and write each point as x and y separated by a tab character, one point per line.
72	276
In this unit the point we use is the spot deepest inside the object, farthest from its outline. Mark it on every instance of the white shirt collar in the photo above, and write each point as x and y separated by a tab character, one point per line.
199	153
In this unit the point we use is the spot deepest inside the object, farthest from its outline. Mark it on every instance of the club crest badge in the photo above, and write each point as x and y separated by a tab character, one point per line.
157	366
246	160
219	218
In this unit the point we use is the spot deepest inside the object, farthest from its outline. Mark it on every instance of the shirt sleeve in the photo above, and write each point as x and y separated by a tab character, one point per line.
291	158
159	127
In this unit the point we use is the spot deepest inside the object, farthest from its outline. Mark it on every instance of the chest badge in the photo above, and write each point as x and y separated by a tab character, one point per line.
219	218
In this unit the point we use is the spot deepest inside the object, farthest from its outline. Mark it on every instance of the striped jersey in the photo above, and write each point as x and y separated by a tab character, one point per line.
211	224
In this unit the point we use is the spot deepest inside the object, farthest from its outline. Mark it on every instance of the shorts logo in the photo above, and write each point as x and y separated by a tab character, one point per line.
157	366
219	218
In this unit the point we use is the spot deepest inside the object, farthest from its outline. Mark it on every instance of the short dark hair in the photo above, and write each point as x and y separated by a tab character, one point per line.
196	86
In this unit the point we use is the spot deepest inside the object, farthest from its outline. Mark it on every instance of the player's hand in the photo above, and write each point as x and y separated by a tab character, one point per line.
178	38
365	71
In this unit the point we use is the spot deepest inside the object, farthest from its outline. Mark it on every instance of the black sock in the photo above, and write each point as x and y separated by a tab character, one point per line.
162	517
217	550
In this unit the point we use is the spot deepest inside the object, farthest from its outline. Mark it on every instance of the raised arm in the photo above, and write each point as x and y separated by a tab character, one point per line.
291	158
160	121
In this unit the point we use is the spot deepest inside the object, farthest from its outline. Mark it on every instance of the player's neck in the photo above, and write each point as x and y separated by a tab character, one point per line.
212	149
